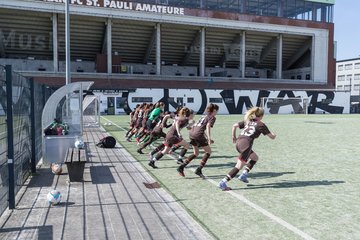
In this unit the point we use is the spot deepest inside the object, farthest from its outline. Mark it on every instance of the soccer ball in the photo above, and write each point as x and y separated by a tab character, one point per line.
56	169
54	197
79	144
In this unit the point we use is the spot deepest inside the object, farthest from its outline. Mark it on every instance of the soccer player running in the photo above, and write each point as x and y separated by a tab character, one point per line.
138	122
174	136
133	117
156	133
200	137
252	128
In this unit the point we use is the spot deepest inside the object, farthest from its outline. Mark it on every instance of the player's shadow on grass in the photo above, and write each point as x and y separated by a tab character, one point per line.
258	175
319	122
225	157
220	165
262	175
292	184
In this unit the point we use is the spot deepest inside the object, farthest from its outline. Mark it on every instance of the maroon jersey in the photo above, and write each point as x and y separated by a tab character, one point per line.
132	116
135	116
145	117
172	136
198	130
158	129
182	123
253	129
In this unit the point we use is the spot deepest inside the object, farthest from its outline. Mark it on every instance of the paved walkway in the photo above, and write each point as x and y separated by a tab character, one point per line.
111	203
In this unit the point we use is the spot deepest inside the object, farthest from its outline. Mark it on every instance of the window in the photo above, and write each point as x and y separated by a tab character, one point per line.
340	87
348	77
357	87
341	78
357	77
347	87
348	66
215	100
142	99
340	67
357	65
120	102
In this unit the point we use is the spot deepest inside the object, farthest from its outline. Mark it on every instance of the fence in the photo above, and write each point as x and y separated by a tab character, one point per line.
3	144
21	106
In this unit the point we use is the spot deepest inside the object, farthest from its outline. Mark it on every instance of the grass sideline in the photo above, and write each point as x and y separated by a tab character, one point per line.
308	177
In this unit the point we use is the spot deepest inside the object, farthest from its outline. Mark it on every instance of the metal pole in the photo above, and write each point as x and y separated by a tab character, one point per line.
109	45
55	42
10	136
279	59
81	109
33	131
67	44
158	49
202	5
280	12
202	52
243	54
312	59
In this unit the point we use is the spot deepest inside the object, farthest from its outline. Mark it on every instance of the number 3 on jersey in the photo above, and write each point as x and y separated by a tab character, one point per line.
248	131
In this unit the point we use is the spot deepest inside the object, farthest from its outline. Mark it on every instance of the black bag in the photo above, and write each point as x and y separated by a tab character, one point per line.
107	142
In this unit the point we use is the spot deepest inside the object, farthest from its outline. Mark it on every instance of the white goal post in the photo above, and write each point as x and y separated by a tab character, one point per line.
289	105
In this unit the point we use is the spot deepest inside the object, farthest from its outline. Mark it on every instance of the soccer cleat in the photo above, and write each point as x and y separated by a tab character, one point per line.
243	177
223	186
152	164
180	161
140	151
199	173
128	139
180	170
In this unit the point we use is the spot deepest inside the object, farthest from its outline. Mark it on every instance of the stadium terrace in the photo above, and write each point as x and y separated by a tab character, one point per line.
187	52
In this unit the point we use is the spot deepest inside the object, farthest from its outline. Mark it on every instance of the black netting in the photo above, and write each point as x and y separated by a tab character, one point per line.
3	144
22	127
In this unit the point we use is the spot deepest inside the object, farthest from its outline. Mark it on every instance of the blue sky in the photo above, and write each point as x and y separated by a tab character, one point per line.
347	35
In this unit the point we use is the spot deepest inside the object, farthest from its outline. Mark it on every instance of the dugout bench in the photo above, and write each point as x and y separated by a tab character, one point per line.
75	160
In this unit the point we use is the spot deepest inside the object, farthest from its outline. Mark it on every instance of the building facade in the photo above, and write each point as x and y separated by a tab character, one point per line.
348	79
172	44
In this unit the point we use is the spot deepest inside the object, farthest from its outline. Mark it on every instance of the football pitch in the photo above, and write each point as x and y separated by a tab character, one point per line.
306	184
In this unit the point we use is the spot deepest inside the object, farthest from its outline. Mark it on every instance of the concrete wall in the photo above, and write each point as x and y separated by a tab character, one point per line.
46	65
230	101
130	68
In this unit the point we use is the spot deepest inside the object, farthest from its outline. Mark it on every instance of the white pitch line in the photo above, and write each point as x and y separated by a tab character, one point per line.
267	213
251	204
113	123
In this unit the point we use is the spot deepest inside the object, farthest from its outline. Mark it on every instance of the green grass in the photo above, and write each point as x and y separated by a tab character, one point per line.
309	177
